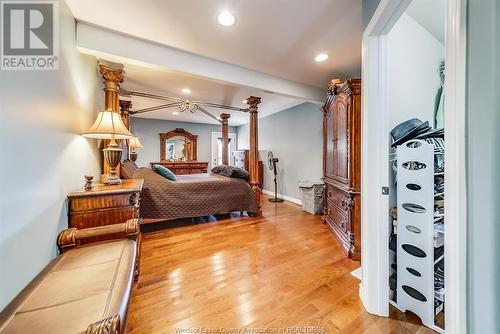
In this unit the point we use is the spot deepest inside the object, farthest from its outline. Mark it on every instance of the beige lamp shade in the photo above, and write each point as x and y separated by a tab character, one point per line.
108	125
134	142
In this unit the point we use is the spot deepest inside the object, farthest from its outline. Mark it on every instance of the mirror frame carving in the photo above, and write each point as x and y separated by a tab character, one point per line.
183	133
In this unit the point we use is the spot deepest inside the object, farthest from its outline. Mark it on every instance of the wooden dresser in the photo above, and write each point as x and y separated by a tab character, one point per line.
184	167
105	205
342	164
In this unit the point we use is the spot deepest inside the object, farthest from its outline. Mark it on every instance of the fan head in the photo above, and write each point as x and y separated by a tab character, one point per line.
270	159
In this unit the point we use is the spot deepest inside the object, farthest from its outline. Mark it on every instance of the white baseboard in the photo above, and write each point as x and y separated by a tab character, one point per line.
286	198
358	273
362	295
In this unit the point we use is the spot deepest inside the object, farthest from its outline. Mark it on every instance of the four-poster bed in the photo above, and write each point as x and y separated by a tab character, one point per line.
233	198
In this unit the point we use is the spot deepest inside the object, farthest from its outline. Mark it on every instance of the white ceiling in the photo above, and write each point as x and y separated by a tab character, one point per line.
279	37
431	14
154	81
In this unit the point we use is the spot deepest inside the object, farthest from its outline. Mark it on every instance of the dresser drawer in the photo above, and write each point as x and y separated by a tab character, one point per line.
334	194
339	198
103	202
182	171
198	171
84	219
337	217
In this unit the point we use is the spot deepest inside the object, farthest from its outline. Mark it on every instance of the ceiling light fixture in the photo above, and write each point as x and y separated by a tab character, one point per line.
244	102
225	18
321	57
175	113
186	90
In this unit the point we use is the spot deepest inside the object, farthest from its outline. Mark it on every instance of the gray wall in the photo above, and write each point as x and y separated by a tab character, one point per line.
148	131
483	161
295	136
42	114
369	7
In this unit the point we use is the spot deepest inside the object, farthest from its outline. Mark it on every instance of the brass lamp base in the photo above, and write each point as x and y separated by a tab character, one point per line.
112	155
112	180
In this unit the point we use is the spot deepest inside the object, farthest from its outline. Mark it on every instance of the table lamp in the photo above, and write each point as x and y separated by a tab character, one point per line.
134	143
109	125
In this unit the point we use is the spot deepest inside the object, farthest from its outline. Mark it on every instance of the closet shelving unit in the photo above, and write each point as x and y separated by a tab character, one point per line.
417	263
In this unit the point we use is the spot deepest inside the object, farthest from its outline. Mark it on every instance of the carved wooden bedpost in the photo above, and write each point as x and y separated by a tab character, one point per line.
253	163
125	107
113	76
225	138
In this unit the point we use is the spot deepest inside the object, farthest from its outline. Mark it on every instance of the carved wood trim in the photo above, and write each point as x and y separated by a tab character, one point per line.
110	325
179	132
74	237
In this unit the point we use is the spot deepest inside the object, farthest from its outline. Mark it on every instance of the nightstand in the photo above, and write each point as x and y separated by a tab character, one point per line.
105	205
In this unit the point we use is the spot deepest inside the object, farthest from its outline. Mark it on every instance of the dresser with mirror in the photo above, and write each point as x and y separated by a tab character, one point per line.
179	152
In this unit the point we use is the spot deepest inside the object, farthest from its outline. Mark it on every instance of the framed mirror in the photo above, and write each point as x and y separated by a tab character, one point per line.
178	145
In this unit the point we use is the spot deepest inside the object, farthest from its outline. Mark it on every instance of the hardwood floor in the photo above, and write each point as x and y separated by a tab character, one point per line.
280	271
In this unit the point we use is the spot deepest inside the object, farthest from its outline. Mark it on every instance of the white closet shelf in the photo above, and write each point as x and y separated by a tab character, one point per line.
439	295
439	259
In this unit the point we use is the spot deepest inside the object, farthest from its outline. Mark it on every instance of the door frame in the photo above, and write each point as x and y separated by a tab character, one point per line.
213	146
374	288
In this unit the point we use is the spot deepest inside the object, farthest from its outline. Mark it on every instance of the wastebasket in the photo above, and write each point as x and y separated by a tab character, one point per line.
311	194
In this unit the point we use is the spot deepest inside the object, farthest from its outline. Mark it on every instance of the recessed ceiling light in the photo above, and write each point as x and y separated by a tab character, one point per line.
186	90
225	18
321	57
175	113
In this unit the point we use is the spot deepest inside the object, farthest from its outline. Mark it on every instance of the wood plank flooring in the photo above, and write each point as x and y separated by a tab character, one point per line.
274	273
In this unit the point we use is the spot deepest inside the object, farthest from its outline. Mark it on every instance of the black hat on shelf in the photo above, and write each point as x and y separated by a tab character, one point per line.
408	130
432	133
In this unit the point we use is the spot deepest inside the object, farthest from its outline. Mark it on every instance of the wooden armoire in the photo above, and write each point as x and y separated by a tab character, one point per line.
342	164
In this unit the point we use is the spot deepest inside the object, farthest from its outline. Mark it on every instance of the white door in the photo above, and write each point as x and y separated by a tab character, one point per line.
217	148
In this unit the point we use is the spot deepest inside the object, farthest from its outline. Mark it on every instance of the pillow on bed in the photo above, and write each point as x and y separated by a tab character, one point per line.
223	170
165	172
240	173
230	171
128	167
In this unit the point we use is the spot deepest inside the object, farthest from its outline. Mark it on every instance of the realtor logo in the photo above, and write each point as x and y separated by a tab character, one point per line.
29	35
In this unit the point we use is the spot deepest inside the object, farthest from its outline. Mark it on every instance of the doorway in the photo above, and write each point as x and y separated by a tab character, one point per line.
376	125
217	148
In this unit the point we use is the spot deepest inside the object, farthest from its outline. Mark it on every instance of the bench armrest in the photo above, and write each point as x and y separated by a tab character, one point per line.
74	237
110	325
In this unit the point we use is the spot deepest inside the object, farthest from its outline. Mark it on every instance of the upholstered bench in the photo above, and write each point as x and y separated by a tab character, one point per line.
86	289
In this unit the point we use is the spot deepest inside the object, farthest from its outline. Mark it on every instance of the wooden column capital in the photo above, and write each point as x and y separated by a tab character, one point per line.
125	107
252	102
225	118
113	77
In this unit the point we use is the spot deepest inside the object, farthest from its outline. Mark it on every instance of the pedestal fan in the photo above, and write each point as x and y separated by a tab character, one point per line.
271	163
